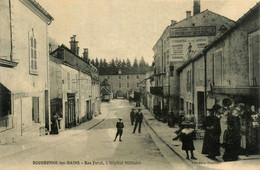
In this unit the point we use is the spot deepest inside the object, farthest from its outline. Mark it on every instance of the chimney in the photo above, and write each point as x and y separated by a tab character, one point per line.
196	7
173	22
188	14
74	45
85	55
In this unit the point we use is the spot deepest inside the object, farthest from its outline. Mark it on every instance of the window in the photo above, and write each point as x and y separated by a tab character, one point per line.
68	79
218	67
137	77
127	85
254	58
108	77
137	85
35	109
171	70
188	83
33	54
119	77
119	85
127	77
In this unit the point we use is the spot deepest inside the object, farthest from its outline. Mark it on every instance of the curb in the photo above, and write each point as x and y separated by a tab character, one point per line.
36	145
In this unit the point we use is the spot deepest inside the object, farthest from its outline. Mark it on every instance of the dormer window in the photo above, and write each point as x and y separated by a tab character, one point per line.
119	71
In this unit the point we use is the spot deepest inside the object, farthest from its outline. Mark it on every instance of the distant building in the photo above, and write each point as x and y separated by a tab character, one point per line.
106	91
74	86
24	64
124	79
231	66
179	42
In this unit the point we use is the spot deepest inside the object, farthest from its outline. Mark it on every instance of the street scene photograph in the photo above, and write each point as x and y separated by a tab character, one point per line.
130	84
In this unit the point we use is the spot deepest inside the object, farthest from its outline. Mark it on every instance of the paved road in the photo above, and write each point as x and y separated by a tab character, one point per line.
95	149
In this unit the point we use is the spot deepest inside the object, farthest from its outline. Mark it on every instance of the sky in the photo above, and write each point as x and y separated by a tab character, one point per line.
126	28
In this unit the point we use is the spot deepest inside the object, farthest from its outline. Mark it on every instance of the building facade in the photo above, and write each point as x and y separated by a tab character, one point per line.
24	65
230	66
123	80
179	42
74	86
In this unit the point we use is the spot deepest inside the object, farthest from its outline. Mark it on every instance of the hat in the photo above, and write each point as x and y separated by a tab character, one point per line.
133	109
187	123
227	102
120	118
139	108
215	107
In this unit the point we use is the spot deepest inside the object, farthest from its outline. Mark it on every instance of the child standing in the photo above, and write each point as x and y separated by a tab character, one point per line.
119	126
187	135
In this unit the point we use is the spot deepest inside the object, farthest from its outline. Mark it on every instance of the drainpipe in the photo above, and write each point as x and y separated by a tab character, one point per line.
11	31
21	102
205	83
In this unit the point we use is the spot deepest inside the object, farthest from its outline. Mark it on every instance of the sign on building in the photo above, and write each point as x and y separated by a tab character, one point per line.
185	48
193	31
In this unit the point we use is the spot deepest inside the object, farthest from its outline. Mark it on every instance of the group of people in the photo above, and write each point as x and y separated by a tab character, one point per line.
136	120
234	127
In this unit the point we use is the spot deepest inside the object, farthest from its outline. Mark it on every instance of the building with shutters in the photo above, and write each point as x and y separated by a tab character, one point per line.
180	42
24	65
74	86
227	68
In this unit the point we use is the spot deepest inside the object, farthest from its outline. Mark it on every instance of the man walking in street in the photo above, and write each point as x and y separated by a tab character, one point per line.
132	116
138	120
119	126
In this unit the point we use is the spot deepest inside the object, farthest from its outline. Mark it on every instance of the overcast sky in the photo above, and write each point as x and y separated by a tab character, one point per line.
126	28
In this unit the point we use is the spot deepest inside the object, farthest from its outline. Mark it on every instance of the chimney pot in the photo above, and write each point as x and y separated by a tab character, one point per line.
196	7
74	45
188	14
173	22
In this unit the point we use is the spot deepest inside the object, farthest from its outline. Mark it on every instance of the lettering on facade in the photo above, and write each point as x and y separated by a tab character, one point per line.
185	48
193	31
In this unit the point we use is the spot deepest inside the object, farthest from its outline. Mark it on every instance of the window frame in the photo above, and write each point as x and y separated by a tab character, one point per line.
33	54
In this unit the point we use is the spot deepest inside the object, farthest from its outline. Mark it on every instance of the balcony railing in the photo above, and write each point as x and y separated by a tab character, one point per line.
161	91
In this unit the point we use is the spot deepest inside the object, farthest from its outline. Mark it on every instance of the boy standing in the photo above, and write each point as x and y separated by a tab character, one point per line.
119	126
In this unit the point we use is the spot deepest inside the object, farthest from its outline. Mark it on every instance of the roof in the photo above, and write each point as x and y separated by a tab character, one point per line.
124	70
105	91
104	83
222	36
181	22
40	8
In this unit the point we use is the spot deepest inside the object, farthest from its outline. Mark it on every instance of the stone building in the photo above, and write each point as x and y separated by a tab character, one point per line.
179	42
74	85
230	65
24	64
123	79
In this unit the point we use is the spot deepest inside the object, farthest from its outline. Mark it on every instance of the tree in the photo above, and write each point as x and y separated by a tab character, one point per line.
52	45
123	63
142	62
112	63
96	63
92	62
119	64
128	62
135	63
105	63
101	63
116	62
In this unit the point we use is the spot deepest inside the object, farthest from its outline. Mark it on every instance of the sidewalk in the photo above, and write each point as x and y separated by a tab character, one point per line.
34	140
165	133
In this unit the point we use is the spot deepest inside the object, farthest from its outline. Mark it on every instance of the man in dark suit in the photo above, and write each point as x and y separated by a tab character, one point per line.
132	116
138	120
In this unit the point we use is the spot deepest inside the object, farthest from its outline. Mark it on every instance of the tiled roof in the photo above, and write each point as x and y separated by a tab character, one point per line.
104	83
40	8
105	91
124	70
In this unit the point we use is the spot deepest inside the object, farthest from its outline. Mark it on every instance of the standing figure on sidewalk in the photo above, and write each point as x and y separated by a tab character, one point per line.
132	116
187	135
54	124
211	124
119	126
138	120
